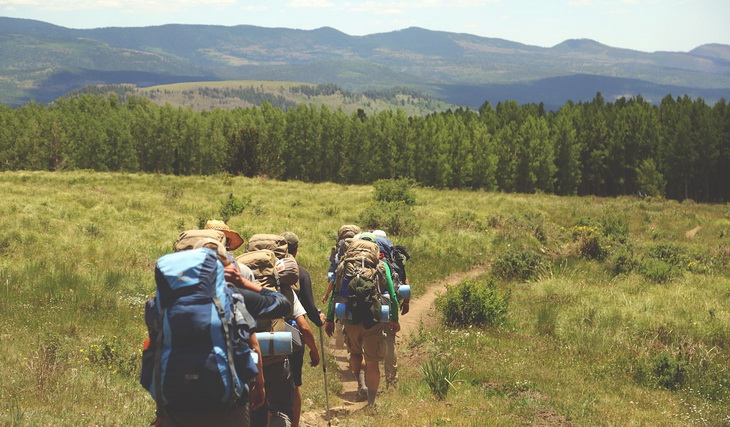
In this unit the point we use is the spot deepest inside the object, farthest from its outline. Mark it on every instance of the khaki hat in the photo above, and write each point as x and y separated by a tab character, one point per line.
234	239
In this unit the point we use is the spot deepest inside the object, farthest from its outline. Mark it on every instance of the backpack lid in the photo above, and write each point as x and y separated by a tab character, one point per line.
347	231
187	239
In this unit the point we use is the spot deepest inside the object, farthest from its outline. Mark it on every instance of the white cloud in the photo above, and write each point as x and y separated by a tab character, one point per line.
310	4
168	5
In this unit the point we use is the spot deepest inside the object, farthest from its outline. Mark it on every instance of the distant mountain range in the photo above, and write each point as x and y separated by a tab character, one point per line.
40	61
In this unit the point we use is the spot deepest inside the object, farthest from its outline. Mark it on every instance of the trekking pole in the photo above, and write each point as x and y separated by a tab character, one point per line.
324	370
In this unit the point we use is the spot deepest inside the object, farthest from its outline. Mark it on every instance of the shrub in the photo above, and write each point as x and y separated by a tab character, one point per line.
591	242
516	264
668	372
658	271
395	217
474	303
233	206
670	253
623	261
395	190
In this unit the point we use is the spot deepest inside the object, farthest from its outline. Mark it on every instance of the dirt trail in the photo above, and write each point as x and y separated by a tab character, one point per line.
422	310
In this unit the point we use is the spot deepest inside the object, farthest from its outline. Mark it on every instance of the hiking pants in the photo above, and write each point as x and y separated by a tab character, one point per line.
279	403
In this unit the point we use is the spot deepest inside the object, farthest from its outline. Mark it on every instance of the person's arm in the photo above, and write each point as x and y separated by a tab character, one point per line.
234	277
309	340
307	298
257	397
265	304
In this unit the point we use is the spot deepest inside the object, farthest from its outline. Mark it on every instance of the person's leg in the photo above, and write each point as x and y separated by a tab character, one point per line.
281	395
297	362
374	350
391	360
353	340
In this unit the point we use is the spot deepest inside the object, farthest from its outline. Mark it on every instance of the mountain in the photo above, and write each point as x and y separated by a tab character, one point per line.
41	61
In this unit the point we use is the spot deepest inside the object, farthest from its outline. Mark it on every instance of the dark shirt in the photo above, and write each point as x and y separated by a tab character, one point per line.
307	298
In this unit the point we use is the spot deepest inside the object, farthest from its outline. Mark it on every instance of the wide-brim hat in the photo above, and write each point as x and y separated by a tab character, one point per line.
234	239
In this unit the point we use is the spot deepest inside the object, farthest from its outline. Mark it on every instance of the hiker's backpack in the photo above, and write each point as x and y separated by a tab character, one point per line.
198	355
395	257
275	274
345	232
359	284
279	246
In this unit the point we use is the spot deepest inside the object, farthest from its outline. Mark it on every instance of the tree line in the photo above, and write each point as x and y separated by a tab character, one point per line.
679	149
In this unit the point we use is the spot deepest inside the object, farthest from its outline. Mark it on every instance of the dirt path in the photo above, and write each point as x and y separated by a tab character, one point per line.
691	233
422	310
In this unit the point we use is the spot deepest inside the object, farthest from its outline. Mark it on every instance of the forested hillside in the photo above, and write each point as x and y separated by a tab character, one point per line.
680	148
41	62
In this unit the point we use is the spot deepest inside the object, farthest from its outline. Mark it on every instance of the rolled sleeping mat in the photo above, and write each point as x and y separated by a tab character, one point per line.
404	292
275	343
341	312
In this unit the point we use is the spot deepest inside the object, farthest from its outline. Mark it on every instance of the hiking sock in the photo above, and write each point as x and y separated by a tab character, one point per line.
361	381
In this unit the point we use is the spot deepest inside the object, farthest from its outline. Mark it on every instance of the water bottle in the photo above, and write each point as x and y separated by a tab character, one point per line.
275	343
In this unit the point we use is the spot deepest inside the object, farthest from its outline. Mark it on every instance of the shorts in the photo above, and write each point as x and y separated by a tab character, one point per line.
368	342
297	361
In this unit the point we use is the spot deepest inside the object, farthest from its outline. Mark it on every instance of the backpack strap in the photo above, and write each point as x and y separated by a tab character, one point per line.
229	351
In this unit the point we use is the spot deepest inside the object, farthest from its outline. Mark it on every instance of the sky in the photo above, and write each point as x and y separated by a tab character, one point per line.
644	25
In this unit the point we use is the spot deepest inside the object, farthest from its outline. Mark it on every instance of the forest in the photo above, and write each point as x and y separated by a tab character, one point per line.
678	149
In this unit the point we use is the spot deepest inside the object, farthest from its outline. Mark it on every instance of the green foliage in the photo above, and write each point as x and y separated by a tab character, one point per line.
666	371
440	376
623	260
547	318
233	206
591	242
474	303
658	271
395	190
514	264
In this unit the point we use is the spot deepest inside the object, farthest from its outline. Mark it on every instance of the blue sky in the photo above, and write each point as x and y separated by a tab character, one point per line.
645	25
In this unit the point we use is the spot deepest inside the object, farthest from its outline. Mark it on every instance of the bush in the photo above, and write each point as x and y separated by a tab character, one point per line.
233	206
591	242
670	253
397	218
474	303
623	261
658	271
668	372
395	190
516	264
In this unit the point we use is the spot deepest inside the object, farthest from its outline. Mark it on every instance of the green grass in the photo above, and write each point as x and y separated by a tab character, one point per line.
581	343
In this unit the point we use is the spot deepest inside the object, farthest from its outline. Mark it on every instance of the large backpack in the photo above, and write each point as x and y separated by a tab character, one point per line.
198	354
279	246
359	282
395	257
344	233
275	274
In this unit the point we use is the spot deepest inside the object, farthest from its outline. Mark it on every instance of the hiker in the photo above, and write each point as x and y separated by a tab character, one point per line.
390	254
278	408
364	279
183	409
306	298
345	234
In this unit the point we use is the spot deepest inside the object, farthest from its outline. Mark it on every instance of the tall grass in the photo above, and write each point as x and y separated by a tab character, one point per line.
582	342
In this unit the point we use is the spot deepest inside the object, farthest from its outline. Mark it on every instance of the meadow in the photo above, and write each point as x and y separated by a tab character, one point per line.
616	310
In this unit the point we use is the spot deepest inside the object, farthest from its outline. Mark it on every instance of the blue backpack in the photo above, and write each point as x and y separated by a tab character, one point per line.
198	354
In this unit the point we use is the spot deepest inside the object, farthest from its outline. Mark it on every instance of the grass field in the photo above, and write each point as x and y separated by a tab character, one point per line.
619	309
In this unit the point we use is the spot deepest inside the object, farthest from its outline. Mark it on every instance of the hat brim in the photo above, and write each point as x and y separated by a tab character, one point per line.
234	239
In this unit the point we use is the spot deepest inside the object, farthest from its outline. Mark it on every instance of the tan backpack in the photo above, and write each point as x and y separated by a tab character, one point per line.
188	239
272	242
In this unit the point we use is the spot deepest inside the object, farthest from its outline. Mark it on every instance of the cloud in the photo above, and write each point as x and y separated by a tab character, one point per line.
310	4
167	5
